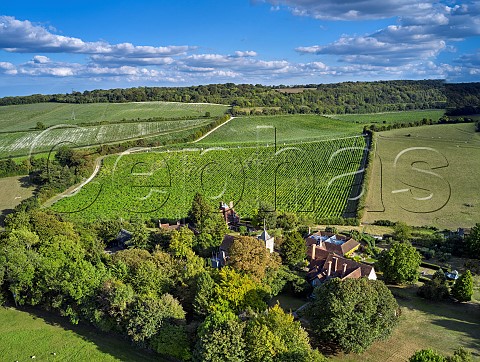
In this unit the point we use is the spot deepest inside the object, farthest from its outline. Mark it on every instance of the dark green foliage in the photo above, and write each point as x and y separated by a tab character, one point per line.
266	215
462	290
402	232
436	288
473	242
205	292
287	221
353	313
275	336
172	340
220	338
200	210
294	249
400	263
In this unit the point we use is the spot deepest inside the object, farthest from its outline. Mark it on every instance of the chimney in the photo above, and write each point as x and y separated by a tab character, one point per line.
344	269
329	268
313	251
335	260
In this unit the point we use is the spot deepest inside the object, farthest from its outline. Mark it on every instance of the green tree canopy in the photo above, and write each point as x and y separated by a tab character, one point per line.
473	241
353	313
462	290
294	249
200	210
250	255
400	263
402	232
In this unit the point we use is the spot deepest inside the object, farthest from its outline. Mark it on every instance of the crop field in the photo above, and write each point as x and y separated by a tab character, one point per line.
25	117
426	176
20	143
289	128
315	178
41	334
391	117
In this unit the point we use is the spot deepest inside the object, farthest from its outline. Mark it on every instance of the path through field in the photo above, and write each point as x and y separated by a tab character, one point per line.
213	130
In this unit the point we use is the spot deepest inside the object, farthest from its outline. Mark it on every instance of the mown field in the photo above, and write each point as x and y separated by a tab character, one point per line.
41	334
442	326
315	178
21	143
25	117
289	128
434	181
391	117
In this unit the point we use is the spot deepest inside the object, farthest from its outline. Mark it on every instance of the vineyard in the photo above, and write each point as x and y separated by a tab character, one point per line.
25	117
391	117
314	178
20	143
289	128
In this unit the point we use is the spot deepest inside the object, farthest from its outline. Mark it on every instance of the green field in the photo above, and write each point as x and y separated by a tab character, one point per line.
25	117
41	334
391	117
12	191
315	178
20	143
289	128
442	326
435	180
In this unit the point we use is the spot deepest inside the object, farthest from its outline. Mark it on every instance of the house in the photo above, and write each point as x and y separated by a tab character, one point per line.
325	265
229	214
168	226
334	243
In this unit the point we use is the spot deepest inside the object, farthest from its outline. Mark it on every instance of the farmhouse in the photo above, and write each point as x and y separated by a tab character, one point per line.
327	255
334	243
229	214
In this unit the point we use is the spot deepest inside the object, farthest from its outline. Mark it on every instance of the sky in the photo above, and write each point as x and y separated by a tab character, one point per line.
76	45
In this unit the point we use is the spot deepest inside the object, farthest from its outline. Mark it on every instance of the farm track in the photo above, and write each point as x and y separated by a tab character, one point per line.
211	131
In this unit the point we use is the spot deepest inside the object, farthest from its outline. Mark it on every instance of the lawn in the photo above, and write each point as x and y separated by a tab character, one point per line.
434	181
289	128
442	326
391	117
25	117
288	302
37	333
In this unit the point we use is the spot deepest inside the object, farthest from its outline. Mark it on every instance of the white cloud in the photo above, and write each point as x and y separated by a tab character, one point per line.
24	37
8	68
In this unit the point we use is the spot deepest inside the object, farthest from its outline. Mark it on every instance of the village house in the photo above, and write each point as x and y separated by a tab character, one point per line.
327	253
229	214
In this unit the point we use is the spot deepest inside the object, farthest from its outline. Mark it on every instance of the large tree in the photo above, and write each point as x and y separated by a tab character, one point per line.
462	290
473	241
294	249
353	313
250	255
220	338
275	336
200	210
436	288
402	232
400	263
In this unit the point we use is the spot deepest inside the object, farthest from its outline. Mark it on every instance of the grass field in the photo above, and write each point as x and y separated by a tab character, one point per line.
40	334
391	117
442	326
289	128
20	143
435	180
12	191
314	178
25	117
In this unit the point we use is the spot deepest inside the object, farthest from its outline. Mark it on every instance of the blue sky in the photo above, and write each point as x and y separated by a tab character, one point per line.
56	47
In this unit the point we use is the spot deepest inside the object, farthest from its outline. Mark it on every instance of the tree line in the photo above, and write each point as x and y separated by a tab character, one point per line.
348	97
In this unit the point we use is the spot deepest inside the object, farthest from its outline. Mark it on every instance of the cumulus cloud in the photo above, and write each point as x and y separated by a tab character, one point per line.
22	36
353	10
8	68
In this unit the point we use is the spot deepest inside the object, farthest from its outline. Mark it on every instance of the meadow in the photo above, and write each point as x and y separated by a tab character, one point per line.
442	326
289	128
391	117
25	117
20	143
314	178
37	333
426	176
